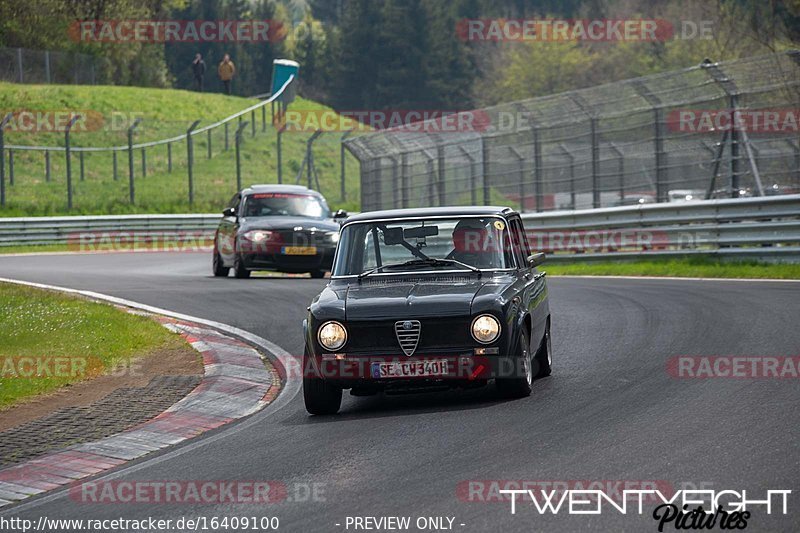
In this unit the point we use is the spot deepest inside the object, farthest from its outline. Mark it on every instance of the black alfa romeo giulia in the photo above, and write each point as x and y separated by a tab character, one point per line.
422	298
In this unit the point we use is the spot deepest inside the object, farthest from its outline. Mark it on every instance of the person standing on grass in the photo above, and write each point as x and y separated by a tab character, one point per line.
199	71
226	71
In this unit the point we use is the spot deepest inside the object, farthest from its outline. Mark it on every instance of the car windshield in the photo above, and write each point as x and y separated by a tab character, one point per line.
466	243
273	204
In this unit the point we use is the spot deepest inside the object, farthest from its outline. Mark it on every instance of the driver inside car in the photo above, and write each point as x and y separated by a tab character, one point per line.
474	243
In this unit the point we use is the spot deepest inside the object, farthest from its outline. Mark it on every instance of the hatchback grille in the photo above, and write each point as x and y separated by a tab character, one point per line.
408	332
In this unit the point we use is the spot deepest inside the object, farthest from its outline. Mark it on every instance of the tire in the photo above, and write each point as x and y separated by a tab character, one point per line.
543	360
238	268
317	274
217	266
320	397
519	387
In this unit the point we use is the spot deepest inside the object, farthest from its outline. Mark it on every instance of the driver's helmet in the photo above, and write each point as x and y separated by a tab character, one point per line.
470	236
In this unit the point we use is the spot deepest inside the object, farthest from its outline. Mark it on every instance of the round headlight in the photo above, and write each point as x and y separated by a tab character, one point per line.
332	335
258	235
485	329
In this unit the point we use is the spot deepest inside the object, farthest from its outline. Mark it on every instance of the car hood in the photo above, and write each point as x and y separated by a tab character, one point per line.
283	223
396	299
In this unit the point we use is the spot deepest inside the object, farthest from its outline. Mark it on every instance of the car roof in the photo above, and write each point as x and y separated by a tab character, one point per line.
422	212
299	189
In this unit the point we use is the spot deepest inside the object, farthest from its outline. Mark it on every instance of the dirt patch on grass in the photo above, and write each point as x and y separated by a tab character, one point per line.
183	361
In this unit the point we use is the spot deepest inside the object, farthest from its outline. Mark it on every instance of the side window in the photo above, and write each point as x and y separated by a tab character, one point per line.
521	248
234	203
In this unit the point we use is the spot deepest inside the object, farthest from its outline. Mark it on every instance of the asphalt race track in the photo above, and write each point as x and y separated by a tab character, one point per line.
611	411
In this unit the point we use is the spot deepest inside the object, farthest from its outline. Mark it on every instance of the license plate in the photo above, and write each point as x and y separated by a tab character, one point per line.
299	250
410	369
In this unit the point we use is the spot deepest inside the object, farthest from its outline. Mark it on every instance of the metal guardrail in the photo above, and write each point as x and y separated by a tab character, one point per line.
754	228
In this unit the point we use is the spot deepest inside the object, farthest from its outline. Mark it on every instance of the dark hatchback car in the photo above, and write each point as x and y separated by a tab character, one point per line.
287	228
428	298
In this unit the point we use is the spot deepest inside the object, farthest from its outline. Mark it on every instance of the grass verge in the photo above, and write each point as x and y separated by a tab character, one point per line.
50	340
683	268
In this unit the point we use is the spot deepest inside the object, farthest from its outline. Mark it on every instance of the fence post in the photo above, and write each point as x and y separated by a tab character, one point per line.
11	167
190	158
144	162
520	177
571	159
342	191
473	176
263	118
238	141
595	163
440	183
2	159
396	193
208	155
114	164
253	123
620	170
47	166
83	167
47	65
404	179
538	183
19	64
71	123
169	157
485	170
280	154
226	136
131	186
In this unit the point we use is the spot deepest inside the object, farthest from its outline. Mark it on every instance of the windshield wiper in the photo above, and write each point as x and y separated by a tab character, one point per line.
422	262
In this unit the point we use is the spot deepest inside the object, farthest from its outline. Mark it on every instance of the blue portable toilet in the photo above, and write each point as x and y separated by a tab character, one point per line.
282	70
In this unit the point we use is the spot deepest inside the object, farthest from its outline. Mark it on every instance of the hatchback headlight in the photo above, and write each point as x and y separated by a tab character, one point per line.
485	329
332	335
258	235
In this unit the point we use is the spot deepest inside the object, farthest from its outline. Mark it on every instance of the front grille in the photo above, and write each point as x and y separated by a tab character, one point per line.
446	335
407	332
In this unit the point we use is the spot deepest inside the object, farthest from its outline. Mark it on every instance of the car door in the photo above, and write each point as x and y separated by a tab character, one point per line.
226	233
534	296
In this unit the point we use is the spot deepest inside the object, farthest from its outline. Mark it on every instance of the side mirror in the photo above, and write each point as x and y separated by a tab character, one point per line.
341	213
229	212
536	259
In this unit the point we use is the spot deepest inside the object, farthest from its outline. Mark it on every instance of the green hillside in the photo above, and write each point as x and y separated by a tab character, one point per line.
165	113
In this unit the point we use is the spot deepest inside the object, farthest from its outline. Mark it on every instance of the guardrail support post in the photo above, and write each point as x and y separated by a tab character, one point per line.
238	142
2	159
190	158
71	123
47	166
131	187
83	166
114	164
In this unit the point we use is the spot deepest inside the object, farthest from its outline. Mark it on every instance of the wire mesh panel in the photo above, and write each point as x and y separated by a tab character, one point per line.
715	130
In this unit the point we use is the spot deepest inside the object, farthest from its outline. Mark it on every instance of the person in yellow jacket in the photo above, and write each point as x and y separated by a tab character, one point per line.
226	71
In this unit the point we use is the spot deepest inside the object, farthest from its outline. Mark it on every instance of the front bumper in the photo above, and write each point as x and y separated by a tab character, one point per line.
322	260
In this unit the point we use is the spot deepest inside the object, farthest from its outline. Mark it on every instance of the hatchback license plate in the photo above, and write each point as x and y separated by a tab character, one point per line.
410	369
299	250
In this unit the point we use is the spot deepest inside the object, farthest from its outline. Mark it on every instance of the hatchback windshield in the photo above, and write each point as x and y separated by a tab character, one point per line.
466	243
272	204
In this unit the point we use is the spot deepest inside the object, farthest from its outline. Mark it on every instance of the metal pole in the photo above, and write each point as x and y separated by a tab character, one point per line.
19	64
717	162
226	136
2	159
620	170
263	118
571	159
404	179
441	185
71	123
47	166
343	191
253	123
485	169
190	158
47	64
735	166
169	157
520	177
131	187
11	167
83	167
208	144
537	171
280	153
595	164
144	163
238	142
114	163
